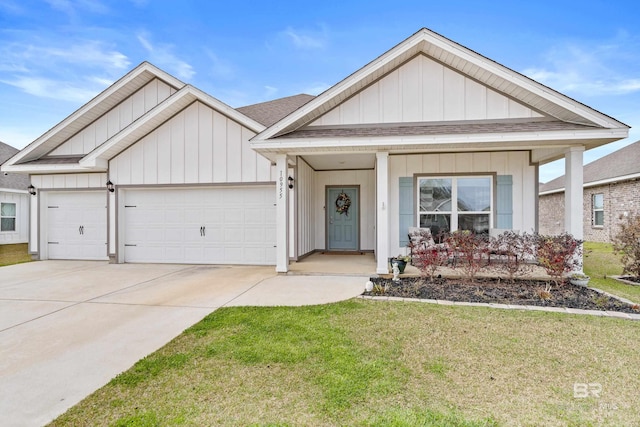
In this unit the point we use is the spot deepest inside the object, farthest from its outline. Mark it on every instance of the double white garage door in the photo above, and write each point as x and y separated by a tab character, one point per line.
224	225
228	225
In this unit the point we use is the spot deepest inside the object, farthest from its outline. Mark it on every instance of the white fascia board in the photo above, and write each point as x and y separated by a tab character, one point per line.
597	183
49	168
143	67
101	155
507	139
13	190
225	109
341	86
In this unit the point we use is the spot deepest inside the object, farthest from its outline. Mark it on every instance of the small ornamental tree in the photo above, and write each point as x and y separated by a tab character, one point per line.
627	243
469	250
558	254
516	249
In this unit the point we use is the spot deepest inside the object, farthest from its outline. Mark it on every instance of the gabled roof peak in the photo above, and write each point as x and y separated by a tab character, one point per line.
458	58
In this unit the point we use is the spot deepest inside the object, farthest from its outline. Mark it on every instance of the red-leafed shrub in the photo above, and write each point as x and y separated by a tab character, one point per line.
558	254
469	251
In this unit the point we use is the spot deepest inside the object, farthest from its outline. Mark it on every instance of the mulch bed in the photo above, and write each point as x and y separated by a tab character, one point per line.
521	292
631	279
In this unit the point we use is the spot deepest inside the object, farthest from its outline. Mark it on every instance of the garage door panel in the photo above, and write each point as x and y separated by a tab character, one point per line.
237	225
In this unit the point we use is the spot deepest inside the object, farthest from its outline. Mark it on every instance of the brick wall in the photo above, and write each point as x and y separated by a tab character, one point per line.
622	198
551	214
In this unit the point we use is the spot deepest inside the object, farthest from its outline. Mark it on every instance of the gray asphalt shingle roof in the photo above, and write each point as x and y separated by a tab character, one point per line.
270	112
13	180
620	163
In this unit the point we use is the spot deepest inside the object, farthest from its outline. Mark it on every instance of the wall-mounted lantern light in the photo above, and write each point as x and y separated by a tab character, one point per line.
32	190
290	179
110	187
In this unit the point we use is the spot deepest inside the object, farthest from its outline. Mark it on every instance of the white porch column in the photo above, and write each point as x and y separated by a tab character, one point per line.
573	210
111	221
34	244
573	195
282	212
382	212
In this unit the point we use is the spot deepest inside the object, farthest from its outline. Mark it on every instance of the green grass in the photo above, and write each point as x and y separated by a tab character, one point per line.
378	363
384	363
600	263
14	254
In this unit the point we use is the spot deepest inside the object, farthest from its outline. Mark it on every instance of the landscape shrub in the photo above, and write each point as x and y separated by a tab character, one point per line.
515	250
627	243
558	254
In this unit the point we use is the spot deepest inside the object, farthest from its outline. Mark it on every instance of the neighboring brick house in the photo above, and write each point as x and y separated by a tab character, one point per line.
611	192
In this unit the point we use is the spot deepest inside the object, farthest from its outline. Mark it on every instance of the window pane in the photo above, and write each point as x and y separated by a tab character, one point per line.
437	223
474	194
598	201
598	218
477	223
435	195
7	209
8	224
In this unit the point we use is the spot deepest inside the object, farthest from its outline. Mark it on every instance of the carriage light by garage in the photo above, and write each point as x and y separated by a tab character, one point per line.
110	187
290	179
32	190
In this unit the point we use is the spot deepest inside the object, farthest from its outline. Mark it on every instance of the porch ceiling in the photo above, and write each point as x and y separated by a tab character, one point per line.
324	162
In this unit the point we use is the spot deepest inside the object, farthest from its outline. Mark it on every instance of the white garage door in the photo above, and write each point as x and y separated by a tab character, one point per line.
229	225
76	225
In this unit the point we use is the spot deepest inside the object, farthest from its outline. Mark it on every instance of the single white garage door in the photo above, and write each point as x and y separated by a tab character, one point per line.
76	225
223	225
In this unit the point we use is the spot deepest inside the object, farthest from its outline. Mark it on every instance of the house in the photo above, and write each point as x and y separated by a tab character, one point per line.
611	191
14	203
428	134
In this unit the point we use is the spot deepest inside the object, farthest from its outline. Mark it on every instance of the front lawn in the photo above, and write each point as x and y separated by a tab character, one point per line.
14	254
380	363
600	263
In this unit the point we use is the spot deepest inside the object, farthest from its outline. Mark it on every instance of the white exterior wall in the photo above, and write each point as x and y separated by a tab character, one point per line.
198	145
514	163
116	119
70	181
416	92
21	235
305	188
366	179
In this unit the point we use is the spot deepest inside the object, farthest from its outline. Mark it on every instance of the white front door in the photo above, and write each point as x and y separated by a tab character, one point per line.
76	225
224	225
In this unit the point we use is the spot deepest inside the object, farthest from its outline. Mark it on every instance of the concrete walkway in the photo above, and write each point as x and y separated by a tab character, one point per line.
68	327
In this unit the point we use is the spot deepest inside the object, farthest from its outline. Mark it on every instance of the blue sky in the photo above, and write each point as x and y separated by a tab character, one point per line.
55	55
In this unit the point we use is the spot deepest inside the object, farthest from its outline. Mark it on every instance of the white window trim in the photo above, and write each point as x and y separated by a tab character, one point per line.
15	217
594	210
454	196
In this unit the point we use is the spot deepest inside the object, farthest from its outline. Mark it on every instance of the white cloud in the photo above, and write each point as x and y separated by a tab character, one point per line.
162	56
307	39
270	92
77	92
590	69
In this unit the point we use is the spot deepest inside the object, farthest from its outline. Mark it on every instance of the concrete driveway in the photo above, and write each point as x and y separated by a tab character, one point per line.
68	327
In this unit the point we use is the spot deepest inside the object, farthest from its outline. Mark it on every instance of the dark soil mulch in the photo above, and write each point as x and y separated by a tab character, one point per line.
521	292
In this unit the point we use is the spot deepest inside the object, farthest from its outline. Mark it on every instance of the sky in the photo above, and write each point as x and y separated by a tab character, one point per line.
55	55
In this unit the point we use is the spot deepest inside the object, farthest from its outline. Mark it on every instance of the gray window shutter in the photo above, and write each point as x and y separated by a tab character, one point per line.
406	209
504	208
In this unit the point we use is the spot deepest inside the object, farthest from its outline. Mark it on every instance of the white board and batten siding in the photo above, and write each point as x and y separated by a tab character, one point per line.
21	232
197	146
513	163
305	188
415	92
193	191
116	119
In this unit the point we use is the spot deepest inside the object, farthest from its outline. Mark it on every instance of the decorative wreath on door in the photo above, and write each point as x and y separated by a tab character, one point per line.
343	202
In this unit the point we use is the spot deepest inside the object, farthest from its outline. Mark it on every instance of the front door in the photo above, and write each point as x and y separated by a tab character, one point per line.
343	219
